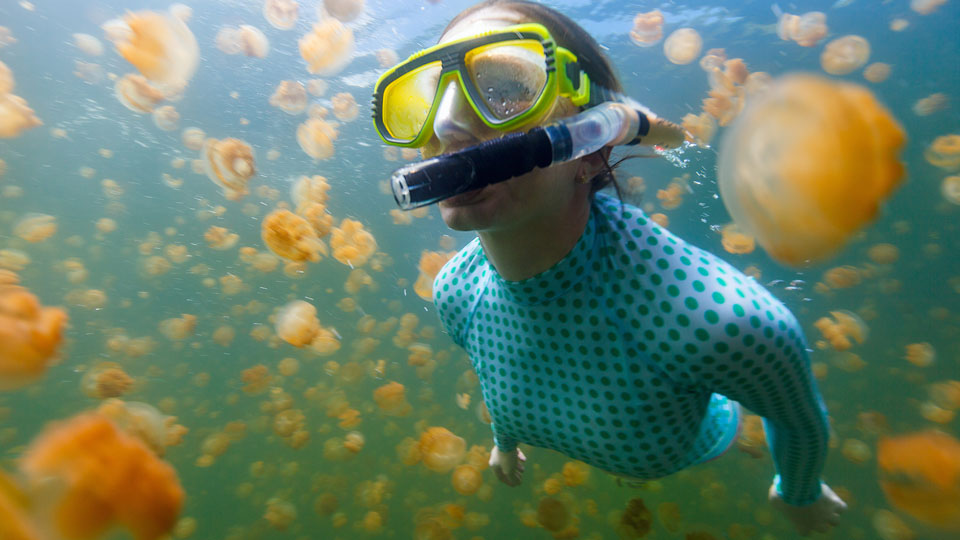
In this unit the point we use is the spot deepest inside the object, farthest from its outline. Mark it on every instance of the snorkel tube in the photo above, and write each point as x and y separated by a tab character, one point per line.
609	124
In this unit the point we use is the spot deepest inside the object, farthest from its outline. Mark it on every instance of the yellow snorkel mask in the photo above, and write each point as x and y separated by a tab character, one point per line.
511	77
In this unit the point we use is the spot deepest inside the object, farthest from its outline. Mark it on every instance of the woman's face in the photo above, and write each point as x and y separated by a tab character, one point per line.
508	204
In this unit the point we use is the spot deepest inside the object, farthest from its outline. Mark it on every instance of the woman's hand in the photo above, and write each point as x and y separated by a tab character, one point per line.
819	516
508	466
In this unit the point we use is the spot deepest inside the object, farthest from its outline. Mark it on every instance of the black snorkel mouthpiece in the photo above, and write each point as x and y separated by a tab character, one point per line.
489	162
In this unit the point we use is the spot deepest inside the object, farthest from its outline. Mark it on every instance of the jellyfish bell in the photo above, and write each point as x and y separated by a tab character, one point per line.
768	175
920	475
328	48
297	323
88	44
166	118
344	10
291	236
281	14
159	45
647	28
845	55
441	450
944	152
16	116
6	79
30	335
682	46
290	97
253	42
229	163
315	136
136	93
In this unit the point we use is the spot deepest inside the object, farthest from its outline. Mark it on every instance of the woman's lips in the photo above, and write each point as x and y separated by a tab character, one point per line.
463	199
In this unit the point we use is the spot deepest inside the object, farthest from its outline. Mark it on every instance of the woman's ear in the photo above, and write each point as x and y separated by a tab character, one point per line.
595	163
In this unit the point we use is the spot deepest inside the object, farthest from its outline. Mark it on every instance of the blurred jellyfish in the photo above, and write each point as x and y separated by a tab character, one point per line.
699	128
290	97
345	106
842	328
844	55
798	212
15	116
253	42
193	138
166	118
229	163
291	236
635	521
647	28
6	37
552	514
106	380
926	7
89	72
6	79
281	14
950	189
297	323
280	513
136	93
178	328
36	228
682	46
877	72
441	450
920	475
316	137
430	264
159	45
466	479
920	354
220	238
344	10
575	473
944	152
328	48
104	477
928	105
30	335
88	44
352	244
386	57
317	87
806	30
391	399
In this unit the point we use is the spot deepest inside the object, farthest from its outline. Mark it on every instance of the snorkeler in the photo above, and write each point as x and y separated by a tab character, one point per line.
594	331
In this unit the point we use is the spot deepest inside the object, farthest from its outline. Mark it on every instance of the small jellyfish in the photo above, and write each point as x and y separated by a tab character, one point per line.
950	189
229	163
6	79
317	87
844	55
136	93
193	138
798	212
920	475
290	97
920	354
682	46
281	14
928	105
159	45
297	323
166	118
220	238
552	514
316	137
280	513
735	241
352	244
291	236
877	72
699	128
430	264
647	28
178	328
30	335
670	516
345	106
926	7
253	42
575	473
105	479
88	44
844	327
88	72
635	521
440	450
328	48
35	228
386	57
106	380
344	10
6	37
391	399
805	30
944	152
466	479
15	116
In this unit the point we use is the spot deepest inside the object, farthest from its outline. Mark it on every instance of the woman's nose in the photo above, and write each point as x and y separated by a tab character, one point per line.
455	122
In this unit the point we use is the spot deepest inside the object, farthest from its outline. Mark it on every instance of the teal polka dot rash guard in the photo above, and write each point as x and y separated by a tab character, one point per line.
630	353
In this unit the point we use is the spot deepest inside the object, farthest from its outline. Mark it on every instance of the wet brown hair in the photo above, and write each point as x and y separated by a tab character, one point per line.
569	35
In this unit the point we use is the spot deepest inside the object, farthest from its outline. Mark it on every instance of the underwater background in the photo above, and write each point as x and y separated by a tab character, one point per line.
244	475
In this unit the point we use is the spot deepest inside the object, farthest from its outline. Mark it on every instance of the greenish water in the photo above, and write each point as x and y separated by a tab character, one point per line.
914	300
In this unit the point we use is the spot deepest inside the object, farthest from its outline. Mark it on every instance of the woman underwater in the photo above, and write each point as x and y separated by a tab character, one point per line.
593	331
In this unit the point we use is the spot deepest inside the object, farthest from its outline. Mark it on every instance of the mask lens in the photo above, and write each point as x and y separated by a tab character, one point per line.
407	101
510	76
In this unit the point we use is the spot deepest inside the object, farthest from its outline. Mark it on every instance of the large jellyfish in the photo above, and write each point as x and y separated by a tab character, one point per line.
291	236
159	45
920	475
328	48
807	164
104	478
441	450
30	335
290	97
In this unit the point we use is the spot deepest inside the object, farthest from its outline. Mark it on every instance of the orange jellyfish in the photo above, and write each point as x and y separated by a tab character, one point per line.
297	323
166	118
281	14
441	450
950	189
345	106
159	45
290	97
944	152
647	28
920	354
106	380
806	30
352	244
877	72
36	228
844	55
735	241
30	335
328	48
291	236
844	327
466	479
699	128
920	475
926	7
178	328
6	79
575	473
391	399
193	138
806	192
229	163
144	422
136	93
928	105
253	42
315	136
220	238
683	46
15	116
15	523
344	10
104	478
430	264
